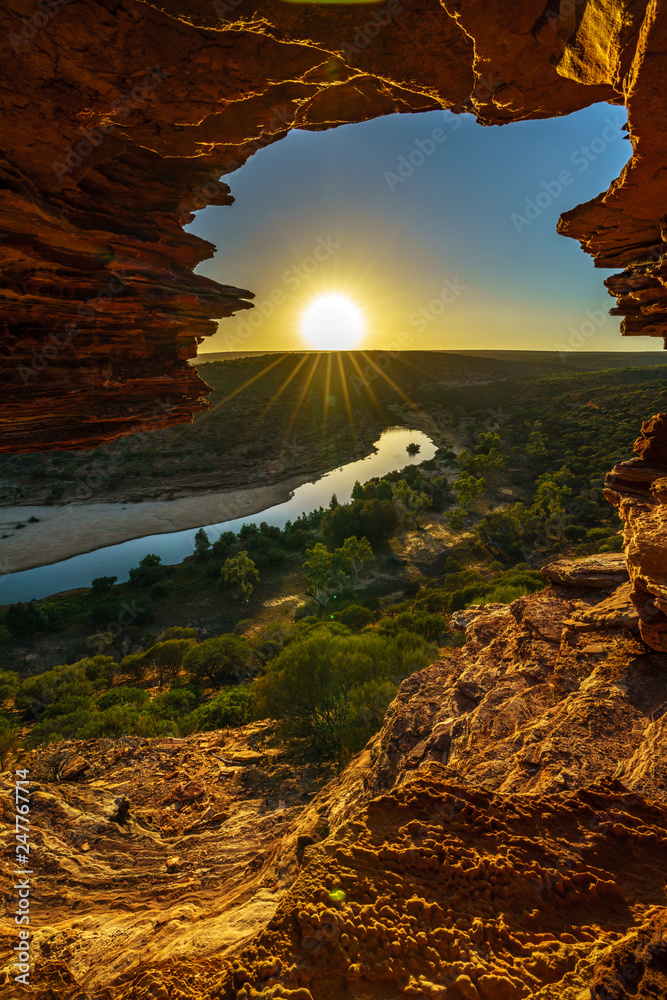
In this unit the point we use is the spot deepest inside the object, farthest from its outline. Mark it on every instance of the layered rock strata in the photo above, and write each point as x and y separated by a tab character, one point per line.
119	119
638	488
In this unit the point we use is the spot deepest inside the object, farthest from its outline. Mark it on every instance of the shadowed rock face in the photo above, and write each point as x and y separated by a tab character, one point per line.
119	118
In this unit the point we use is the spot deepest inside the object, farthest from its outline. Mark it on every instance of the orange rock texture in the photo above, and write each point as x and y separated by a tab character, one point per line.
638	488
119	120
503	836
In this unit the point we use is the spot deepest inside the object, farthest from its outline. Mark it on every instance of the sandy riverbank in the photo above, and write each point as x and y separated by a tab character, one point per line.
70	529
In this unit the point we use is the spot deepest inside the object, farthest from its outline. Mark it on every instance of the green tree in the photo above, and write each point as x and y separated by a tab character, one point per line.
239	573
202	544
149	571
373	519
324	573
468	489
102	585
24	619
222	659
353	556
166	658
412	501
135	665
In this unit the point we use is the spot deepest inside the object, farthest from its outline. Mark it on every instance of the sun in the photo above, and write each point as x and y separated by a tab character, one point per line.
332	323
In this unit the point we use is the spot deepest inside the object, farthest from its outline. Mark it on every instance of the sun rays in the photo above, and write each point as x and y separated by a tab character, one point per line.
312	384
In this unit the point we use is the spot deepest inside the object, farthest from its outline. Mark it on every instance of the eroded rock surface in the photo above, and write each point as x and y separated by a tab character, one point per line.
119	119
505	831
638	488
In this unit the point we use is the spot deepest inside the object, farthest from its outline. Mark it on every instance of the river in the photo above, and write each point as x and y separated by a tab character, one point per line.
174	546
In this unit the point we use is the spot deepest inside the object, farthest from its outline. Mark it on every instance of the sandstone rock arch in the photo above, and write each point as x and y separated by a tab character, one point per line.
120	117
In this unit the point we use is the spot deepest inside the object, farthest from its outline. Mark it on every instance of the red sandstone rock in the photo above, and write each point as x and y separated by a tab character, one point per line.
99	306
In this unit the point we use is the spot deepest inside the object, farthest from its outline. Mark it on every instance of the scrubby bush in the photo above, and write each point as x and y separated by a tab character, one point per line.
222	660
166	658
232	707
179	632
102	584
355	616
177	702
123	696
329	688
36	694
9	682
431	627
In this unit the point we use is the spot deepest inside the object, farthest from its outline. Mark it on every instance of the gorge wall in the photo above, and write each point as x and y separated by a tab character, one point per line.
120	117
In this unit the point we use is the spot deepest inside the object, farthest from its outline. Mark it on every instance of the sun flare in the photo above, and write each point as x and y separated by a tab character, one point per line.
332	323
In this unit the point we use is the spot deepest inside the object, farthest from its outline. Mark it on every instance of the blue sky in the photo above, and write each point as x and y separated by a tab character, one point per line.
441	231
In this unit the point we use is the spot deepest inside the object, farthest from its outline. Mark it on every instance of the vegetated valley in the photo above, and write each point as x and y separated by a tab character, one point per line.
272	719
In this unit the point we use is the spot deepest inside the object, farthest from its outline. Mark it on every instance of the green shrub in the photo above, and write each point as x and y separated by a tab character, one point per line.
222	659
177	702
504	593
10	736
598	534
149	571
613	544
329	688
240	576
36	694
232	707
431	627
123	696
355	616
179	632
9	682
